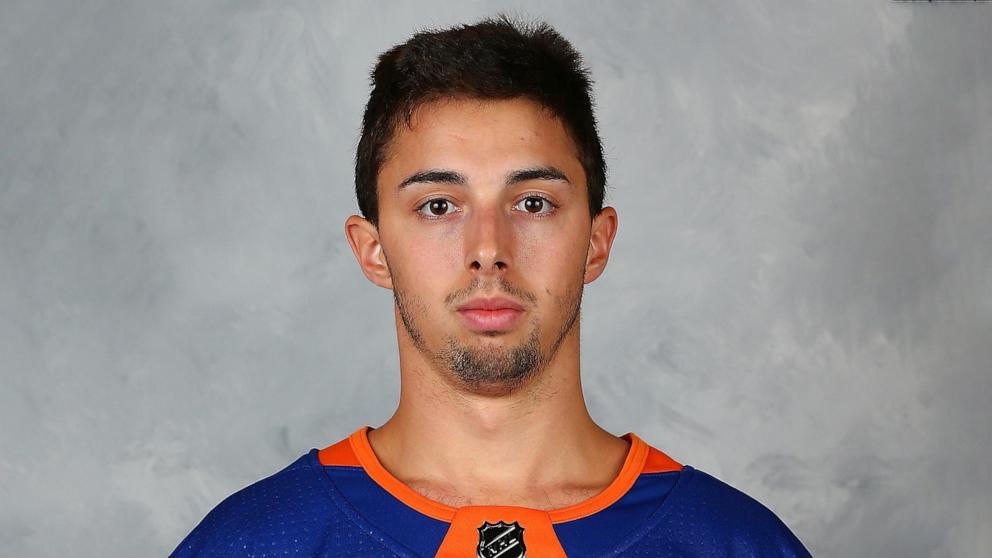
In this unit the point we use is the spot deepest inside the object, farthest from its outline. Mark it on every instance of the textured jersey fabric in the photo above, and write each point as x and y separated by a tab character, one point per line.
341	502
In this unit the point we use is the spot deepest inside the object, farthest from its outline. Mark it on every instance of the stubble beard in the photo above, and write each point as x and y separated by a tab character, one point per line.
489	369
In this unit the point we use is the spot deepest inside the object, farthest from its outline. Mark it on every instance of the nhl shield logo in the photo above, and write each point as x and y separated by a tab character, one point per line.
501	540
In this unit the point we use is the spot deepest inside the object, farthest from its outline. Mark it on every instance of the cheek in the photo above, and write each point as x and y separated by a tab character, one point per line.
553	259
426	259
439	248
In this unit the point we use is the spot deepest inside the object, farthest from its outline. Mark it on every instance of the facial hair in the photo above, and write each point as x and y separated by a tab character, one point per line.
488	368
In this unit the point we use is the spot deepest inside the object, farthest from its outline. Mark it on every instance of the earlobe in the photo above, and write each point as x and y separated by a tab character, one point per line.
604	230
363	237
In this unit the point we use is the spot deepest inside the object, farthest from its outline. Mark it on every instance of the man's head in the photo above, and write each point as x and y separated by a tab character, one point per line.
480	177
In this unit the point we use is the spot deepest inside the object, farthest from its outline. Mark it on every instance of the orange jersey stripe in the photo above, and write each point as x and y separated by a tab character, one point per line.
339	454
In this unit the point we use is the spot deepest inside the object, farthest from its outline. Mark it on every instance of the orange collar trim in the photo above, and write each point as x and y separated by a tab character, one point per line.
641	458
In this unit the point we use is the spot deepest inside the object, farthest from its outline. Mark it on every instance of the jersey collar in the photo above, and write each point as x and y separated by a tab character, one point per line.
634	464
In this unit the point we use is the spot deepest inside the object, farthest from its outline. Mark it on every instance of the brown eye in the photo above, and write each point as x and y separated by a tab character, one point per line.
536	205
437	207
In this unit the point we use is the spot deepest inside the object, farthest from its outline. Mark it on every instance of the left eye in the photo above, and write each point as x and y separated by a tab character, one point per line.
534	204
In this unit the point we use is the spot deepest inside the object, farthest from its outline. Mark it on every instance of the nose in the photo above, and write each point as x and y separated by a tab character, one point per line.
488	241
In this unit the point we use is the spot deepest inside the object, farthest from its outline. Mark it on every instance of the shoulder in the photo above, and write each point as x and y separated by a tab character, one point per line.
286	501
712	518
724	502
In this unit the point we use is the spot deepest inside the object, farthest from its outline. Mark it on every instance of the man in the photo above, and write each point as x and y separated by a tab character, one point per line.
480	179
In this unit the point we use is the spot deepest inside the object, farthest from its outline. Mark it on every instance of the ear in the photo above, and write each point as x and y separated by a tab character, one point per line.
604	230
364	240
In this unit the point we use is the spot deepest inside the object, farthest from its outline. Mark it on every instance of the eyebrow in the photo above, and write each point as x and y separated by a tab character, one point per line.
440	176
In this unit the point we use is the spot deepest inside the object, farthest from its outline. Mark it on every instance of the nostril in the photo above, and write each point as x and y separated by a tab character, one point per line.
477	265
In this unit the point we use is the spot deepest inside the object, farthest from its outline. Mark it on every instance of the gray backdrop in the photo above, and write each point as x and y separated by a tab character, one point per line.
799	299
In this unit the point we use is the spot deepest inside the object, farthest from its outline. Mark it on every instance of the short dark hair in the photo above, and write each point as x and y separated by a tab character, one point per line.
496	58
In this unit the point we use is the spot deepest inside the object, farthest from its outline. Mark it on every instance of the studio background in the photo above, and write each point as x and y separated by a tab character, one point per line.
799	300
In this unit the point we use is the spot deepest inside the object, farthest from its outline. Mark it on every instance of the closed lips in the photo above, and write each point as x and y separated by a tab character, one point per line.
490	304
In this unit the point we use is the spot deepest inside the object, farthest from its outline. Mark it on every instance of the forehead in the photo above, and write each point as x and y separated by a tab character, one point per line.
470	112
480	134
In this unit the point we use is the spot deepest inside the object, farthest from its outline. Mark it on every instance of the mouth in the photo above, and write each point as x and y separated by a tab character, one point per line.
491	314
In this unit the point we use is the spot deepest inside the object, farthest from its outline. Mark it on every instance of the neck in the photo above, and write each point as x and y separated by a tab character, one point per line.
463	448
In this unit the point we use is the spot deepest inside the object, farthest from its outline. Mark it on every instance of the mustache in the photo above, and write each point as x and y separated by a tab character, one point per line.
477	285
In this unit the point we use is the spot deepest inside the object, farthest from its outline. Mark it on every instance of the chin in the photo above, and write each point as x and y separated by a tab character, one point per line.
492	388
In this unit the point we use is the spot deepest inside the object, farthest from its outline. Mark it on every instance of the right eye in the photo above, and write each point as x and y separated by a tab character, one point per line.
436	207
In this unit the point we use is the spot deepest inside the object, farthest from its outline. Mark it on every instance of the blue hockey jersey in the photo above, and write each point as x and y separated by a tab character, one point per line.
341	502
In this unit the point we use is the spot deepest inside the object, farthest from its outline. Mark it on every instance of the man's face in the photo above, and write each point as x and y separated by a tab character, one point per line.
484	225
